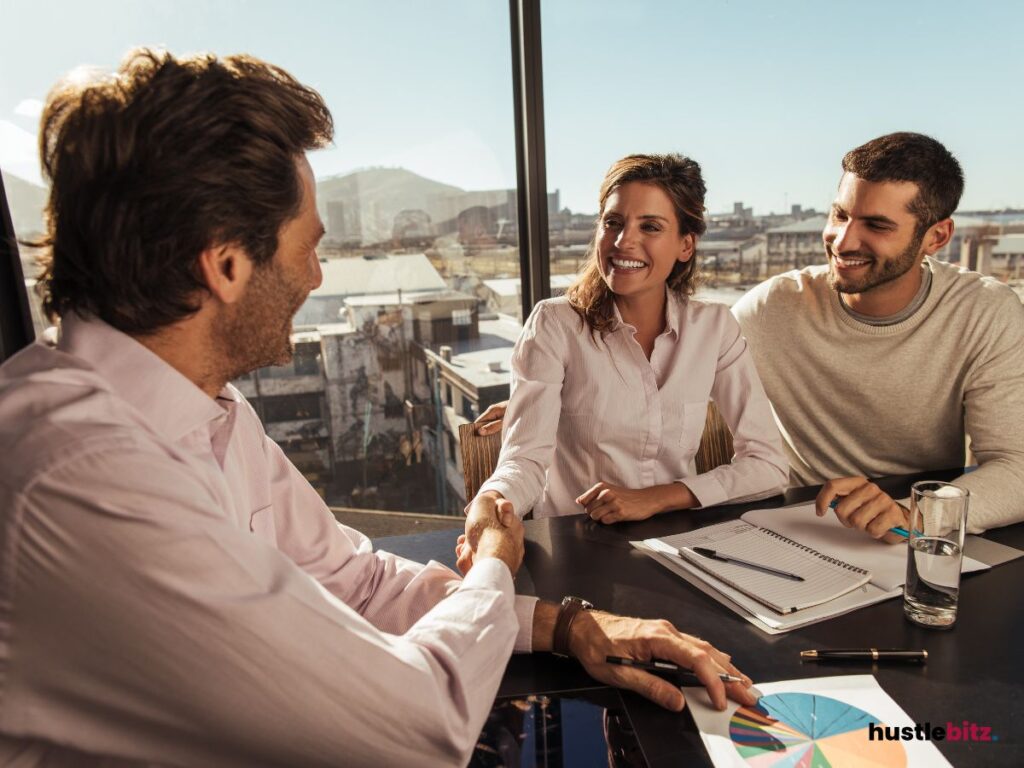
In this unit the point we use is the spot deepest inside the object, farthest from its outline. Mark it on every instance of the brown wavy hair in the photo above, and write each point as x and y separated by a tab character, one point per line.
680	178
159	161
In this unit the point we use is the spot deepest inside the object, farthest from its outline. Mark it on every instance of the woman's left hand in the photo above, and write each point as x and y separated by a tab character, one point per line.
607	503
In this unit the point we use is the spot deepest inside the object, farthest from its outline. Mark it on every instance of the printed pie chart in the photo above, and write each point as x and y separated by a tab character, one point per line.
804	730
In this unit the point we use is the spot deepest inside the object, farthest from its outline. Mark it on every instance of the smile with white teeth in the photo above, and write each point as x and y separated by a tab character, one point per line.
627	263
849	263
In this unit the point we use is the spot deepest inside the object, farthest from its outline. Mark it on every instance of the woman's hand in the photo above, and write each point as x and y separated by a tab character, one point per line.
607	503
491	420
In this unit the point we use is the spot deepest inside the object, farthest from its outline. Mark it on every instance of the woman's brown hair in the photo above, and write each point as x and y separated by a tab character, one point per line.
680	178
152	165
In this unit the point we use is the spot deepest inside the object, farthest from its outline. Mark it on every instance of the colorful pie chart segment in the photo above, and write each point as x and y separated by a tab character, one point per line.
804	730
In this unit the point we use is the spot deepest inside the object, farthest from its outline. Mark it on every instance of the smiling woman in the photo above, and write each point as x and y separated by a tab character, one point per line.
611	383
652	206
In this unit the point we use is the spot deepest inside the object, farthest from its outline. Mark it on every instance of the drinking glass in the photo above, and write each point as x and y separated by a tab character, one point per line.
938	521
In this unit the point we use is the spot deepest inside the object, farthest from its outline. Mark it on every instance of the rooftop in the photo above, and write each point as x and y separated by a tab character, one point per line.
472	360
720	245
410	297
476	367
1008	244
360	275
510	286
335	329
812	225
971	222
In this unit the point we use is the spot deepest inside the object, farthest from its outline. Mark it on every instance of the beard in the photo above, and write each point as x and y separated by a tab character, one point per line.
878	273
257	330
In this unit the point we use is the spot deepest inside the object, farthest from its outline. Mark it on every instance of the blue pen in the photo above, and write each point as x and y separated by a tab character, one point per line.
898	530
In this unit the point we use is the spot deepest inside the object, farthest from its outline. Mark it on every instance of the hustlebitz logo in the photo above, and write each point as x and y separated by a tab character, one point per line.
964	731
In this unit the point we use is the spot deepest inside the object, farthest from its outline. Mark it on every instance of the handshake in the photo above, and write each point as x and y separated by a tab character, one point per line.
492	530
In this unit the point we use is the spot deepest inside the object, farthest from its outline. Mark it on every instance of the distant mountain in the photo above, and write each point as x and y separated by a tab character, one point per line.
371	201
26	201
397	186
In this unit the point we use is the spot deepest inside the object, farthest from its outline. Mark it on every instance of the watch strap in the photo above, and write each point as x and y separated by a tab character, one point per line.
567	613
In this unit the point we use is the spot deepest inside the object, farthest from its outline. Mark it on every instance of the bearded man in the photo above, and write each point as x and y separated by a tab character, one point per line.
883	360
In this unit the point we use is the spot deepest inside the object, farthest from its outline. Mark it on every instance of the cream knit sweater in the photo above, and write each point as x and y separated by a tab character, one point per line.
855	399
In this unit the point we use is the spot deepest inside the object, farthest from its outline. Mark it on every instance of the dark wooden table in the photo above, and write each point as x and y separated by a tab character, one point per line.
975	670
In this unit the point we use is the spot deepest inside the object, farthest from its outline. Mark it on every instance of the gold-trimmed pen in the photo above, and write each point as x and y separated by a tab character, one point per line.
866	654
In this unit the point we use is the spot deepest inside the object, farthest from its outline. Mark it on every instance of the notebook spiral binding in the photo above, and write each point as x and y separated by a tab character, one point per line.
816	553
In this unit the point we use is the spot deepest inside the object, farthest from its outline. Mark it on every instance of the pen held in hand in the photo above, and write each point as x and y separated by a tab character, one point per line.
898	530
686	552
656	665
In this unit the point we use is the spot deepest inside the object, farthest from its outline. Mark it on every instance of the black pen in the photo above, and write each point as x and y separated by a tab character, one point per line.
866	654
656	665
710	553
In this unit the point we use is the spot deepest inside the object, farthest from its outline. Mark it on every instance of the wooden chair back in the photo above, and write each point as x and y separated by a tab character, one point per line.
479	457
715	446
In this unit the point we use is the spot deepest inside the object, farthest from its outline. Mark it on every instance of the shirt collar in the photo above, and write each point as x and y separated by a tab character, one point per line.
673	308
168	400
904	314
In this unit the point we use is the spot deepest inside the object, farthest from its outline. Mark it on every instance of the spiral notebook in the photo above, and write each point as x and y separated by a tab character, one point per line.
825	578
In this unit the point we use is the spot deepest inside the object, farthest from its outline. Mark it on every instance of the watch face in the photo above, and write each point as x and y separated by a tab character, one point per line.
573	599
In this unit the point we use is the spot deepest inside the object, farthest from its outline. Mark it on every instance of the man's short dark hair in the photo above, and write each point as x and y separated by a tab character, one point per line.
152	165
917	158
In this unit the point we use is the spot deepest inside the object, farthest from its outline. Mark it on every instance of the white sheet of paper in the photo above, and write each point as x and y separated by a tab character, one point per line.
860	691
887	562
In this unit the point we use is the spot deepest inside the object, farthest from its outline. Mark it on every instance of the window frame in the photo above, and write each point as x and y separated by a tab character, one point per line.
16	331
531	158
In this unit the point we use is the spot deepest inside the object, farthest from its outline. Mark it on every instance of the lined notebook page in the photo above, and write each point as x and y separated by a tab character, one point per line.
825	578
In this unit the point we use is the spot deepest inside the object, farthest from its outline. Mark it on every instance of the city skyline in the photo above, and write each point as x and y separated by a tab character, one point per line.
766	96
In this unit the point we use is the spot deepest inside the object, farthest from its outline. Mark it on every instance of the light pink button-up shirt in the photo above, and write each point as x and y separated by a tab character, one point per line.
586	409
173	591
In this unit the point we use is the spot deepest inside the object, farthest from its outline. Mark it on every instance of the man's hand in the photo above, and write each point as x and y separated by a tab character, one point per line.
490	421
862	505
595	635
492	530
607	503
463	555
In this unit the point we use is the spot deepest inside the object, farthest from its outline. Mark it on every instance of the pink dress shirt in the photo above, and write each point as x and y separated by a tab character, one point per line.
173	591
586	409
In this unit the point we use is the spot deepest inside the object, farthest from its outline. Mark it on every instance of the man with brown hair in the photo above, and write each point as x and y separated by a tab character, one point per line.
882	360
172	590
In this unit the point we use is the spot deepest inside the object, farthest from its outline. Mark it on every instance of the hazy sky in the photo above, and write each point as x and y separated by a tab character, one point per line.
766	95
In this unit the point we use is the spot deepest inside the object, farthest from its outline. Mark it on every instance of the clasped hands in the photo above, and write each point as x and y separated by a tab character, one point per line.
492	530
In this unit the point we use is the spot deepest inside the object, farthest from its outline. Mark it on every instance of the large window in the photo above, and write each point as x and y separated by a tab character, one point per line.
419	196
767	97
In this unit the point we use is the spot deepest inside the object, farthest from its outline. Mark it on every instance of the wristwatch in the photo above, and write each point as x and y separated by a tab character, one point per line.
570	607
